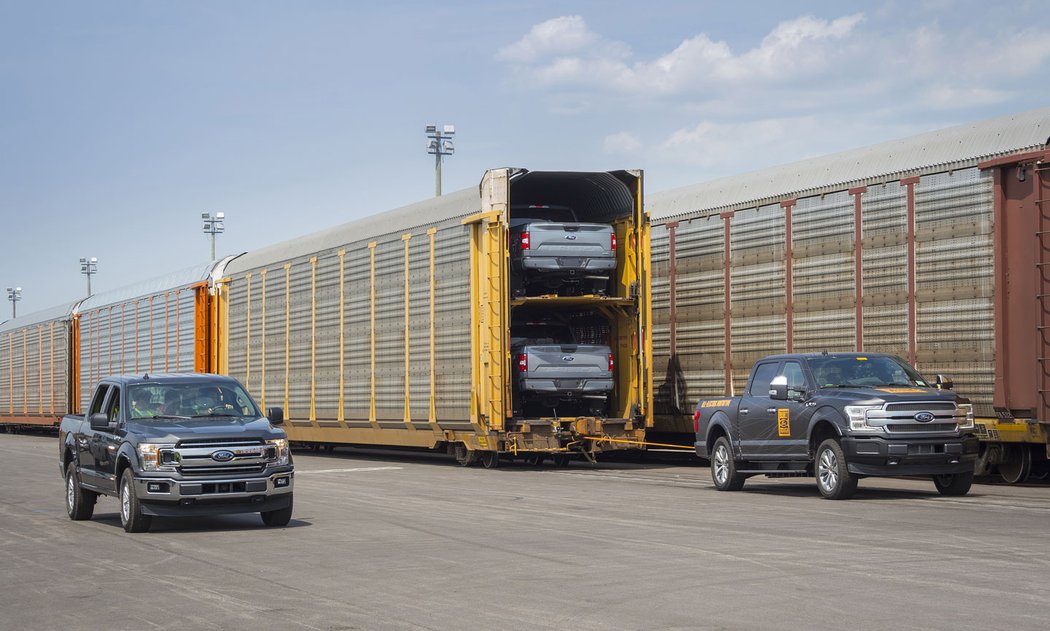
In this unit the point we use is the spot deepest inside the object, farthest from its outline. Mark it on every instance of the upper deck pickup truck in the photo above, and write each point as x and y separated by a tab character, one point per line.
176	445
839	417
553	252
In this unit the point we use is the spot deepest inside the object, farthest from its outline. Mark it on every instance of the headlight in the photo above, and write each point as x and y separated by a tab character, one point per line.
280	446
966	423
858	418
156	457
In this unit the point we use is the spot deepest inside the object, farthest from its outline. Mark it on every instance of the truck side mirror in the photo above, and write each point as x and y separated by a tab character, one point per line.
778	388
99	421
276	416
943	382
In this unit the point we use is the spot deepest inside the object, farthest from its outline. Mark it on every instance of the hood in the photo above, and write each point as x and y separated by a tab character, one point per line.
174	429
892	394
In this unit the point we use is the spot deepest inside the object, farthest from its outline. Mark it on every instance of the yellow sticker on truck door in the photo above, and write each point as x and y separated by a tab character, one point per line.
783	422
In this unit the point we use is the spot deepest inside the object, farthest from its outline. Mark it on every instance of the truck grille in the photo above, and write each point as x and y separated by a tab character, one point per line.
899	418
920	407
210	457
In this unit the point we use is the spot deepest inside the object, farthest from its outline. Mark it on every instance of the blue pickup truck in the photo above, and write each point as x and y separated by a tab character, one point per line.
839	417
176	445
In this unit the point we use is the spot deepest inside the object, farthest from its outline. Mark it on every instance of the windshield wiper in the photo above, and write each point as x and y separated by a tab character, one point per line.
160	416
216	415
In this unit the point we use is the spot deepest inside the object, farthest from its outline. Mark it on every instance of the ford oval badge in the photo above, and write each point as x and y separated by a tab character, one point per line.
223	455
567	358
924	417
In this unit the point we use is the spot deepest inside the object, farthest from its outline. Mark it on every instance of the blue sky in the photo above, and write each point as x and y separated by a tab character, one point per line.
122	121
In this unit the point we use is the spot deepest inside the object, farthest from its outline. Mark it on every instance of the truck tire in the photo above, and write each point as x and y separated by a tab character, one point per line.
834	480
723	467
954	484
131	516
80	503
278	518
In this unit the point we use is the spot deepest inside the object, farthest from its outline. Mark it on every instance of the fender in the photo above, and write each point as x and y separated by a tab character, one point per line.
126	452
718	419
831	415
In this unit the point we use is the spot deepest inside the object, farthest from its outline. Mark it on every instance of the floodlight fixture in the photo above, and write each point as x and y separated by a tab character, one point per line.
88	267
14	294
439	143
213	226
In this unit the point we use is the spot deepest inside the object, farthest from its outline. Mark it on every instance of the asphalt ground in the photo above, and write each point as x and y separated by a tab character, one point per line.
387	540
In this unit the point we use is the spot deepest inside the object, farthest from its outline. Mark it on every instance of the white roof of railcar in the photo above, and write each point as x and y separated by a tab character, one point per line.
458	204
175	280
61	312
942	150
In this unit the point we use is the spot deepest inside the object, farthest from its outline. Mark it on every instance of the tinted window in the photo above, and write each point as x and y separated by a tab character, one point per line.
113	405
795	377
100	397
760	383
862	370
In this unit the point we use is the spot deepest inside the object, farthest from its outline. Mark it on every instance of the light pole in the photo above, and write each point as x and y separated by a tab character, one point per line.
439	143
88	266
14	294
213	226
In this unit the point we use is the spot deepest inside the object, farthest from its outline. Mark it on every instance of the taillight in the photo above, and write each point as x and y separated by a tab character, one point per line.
523	362
612	242
612	362
524	241
696	422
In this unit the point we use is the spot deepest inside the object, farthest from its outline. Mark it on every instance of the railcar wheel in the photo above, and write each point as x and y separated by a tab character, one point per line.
490	459
834	481
1016	463
954	484
561	460
131	515
723	467
535	459
465	457
80	503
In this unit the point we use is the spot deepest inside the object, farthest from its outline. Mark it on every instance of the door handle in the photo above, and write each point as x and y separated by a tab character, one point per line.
743	410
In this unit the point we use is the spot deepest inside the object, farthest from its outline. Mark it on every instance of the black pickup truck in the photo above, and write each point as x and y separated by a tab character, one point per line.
176	445
839	417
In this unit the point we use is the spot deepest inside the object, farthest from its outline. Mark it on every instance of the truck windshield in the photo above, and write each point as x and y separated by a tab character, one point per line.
189	400
860	370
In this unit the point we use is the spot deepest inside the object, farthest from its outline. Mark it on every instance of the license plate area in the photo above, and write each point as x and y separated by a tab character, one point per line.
925	449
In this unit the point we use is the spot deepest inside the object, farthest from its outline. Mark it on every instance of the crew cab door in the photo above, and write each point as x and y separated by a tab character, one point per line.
86	441
106	442
791	417
756	416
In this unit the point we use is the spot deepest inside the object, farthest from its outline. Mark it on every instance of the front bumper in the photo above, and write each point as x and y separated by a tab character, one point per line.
173	496
877	456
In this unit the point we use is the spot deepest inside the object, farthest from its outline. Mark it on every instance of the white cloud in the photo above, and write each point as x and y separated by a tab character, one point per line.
622	143
559	36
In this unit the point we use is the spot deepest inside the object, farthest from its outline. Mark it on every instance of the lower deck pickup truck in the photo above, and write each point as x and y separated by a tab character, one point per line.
176	445
839	417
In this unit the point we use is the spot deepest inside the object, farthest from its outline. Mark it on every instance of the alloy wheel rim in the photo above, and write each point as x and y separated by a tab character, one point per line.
721	465
125	502
828	470
70	492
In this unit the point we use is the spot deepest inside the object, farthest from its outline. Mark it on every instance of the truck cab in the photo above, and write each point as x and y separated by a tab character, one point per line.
176	445
839	417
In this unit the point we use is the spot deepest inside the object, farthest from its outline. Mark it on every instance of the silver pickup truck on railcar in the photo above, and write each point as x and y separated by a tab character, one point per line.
176	446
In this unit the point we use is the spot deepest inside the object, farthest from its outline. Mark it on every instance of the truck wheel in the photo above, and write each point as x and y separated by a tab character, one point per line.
834	480
80	503
954	484
278	518
131	516
723	467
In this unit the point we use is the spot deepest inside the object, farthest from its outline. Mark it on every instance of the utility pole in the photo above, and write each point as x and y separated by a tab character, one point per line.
14	294
439	143
213	226
88	266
